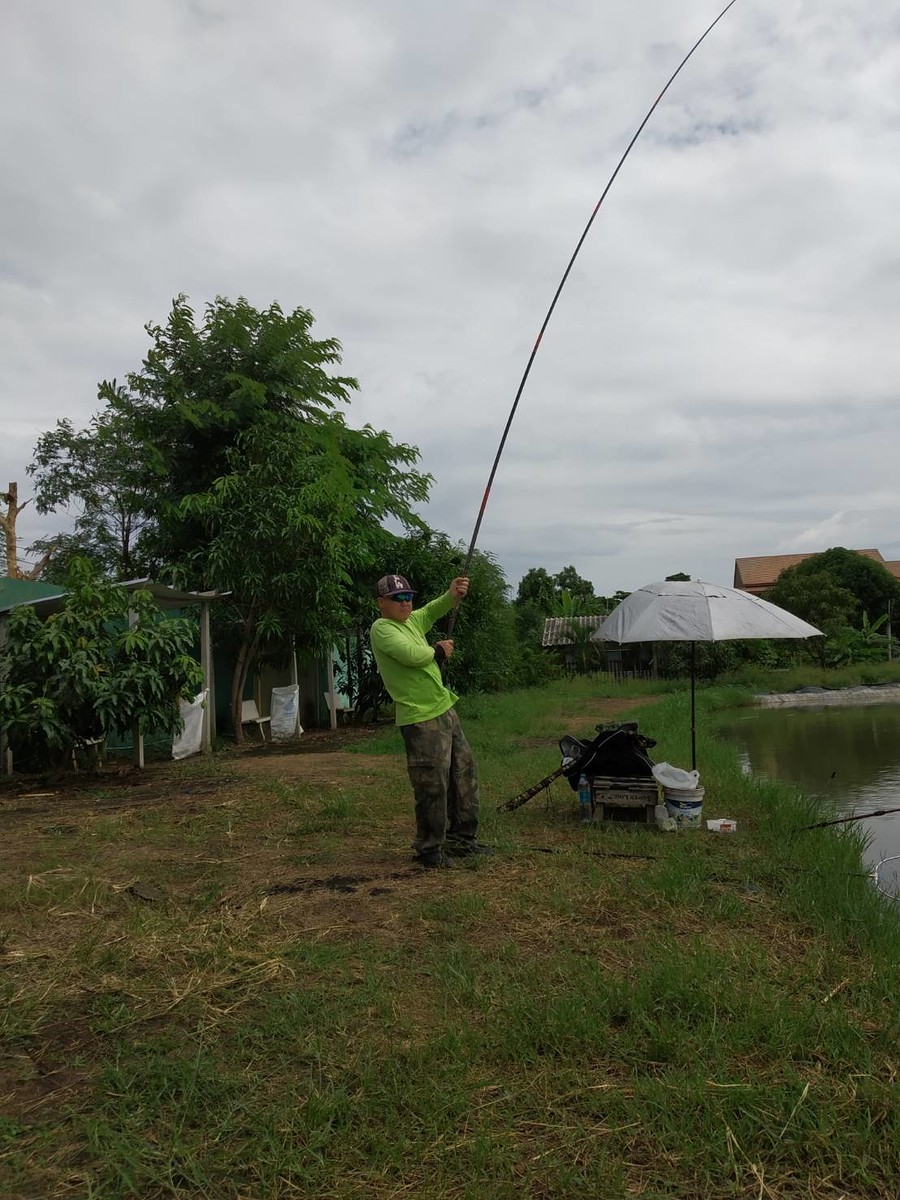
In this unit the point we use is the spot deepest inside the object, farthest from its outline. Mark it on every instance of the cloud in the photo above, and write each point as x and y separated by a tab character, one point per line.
721	373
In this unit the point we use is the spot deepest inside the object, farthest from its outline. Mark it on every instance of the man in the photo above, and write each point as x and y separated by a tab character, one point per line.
438	758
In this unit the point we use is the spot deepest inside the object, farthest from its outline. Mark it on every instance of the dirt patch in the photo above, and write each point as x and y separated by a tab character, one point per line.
346	884
23	1090
311	767
313	741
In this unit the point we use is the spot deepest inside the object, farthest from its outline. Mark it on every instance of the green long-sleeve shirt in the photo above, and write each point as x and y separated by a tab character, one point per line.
406	663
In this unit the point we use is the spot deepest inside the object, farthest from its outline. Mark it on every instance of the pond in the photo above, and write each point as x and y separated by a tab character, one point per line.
803	746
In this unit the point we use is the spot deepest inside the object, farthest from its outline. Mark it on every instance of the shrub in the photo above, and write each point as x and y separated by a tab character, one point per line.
106	661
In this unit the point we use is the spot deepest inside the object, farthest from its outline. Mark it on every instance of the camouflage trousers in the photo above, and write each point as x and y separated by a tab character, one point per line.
444	778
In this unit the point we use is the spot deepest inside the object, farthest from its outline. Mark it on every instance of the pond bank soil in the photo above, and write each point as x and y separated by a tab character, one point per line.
816	697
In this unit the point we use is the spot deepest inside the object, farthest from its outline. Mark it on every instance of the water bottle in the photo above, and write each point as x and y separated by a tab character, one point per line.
584	799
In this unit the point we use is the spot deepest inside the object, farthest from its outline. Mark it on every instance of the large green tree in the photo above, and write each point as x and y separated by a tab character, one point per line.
206	382
166	431
292	522
874	589
847	595
237	471
817	597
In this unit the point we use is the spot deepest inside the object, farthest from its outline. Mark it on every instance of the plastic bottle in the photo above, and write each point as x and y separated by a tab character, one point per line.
584	799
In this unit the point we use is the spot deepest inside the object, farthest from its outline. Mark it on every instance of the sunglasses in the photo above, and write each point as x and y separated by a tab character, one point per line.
402	597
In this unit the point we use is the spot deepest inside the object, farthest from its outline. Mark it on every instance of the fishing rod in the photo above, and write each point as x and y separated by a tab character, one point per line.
529	793
562	283
881	812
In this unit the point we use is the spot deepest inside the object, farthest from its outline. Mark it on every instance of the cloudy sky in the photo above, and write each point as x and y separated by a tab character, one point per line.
721	375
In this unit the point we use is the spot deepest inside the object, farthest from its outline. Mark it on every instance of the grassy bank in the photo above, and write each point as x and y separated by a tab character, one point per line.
226	980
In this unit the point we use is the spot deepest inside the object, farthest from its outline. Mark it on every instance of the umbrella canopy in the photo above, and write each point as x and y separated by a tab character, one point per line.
692	611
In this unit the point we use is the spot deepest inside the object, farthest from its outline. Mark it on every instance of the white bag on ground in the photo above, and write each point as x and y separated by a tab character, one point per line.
190	740
676	778
286	713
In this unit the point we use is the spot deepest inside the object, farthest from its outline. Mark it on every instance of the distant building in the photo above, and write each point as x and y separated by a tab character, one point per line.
558	630
757	575
623	662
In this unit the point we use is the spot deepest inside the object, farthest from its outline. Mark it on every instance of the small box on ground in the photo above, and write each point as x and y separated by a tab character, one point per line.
628	798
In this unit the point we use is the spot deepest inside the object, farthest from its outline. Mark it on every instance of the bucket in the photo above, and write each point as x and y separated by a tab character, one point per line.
685	806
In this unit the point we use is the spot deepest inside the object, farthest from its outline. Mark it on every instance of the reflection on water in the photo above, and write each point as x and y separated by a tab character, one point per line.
860	746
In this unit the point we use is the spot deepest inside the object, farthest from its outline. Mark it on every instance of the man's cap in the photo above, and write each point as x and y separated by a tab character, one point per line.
387	585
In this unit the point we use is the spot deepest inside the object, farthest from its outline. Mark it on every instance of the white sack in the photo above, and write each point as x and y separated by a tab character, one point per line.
190	740
286	713
675	777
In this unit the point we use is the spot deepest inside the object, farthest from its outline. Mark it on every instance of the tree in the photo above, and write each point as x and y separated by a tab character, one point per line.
873	587
867	643
105	662
536	587
99	472
8	537
204	384
295	517
585	650
815	596
568	604
165	433
568	580
541	595
226	456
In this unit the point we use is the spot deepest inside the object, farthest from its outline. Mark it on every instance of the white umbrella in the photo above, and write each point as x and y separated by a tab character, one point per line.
693	611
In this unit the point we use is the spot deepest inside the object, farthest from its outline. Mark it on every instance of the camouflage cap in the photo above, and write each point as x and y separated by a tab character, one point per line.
387	585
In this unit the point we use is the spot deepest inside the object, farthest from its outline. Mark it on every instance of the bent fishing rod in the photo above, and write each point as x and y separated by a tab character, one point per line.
562	283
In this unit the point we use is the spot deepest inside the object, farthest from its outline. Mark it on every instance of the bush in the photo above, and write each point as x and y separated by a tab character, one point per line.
106	662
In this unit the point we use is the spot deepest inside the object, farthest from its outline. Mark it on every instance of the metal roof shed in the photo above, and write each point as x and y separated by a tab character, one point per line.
47	599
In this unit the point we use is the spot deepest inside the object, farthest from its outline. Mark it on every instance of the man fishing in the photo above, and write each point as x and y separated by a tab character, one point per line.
439	760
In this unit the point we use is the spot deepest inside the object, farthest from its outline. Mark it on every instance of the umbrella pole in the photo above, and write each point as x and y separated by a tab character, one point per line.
694	709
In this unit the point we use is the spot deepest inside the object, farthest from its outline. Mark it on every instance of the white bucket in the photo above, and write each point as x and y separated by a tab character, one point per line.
685	806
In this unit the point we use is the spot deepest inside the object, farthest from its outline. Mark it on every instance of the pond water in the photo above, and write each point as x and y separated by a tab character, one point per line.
805	745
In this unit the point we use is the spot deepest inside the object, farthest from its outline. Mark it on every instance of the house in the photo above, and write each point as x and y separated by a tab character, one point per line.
757	575
558	631
575	647
46	599
320	699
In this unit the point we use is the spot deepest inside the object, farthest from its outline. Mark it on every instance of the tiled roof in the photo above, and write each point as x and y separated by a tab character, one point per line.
894	568
756	574
557	630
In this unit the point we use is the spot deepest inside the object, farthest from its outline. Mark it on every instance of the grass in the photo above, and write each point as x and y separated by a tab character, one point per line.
608	1012
808	675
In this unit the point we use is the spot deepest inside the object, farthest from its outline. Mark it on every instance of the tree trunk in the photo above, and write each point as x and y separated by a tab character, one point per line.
8	525
245	659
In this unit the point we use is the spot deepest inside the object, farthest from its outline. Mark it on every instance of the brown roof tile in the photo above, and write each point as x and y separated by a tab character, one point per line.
757	574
